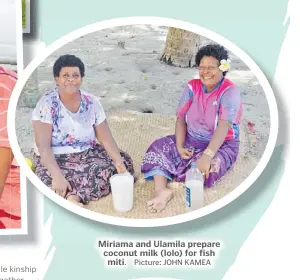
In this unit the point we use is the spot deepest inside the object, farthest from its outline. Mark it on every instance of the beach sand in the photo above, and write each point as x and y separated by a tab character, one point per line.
124	71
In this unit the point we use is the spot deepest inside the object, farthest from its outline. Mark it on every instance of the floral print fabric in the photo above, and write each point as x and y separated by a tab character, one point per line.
72	132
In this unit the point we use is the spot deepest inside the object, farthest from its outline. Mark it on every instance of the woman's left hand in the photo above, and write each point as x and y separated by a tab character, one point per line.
121	168
203	164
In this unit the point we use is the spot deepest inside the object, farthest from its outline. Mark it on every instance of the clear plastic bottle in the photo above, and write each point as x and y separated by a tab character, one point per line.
194	188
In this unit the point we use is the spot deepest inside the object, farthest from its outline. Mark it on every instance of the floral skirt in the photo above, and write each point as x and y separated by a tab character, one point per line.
162	158
88	172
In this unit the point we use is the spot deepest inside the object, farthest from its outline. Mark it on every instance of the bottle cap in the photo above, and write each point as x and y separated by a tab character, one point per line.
194	164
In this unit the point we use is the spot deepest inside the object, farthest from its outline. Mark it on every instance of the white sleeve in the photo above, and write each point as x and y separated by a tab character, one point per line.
100	116
43	111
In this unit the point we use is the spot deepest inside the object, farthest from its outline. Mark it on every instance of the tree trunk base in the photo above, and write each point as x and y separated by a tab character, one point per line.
171	61
180	48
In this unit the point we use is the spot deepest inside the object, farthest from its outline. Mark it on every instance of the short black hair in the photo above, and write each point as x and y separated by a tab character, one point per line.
214	50
68	60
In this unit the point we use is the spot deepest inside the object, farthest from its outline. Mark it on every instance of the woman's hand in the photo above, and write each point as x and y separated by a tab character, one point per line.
121	168
184	153
203	164
60	185
105	137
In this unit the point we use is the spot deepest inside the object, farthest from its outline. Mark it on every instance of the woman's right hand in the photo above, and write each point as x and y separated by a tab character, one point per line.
60	185
121	168
184	153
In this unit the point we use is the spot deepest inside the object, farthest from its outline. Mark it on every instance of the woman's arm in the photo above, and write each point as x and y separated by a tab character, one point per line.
6	158
43	135
180	133
104	136
180	127
230	112
219	136
215	143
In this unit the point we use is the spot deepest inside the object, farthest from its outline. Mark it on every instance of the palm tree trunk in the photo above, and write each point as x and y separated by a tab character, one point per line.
180	48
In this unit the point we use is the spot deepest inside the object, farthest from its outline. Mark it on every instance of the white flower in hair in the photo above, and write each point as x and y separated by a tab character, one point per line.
225	65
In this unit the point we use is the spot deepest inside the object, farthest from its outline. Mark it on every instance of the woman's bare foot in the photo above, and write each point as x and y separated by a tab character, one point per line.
160	200
75	199
162	195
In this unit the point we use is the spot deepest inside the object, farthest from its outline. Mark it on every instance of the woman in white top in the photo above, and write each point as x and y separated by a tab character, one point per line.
69	125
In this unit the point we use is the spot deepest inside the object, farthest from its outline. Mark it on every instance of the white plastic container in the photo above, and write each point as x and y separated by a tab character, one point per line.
122	191
194	189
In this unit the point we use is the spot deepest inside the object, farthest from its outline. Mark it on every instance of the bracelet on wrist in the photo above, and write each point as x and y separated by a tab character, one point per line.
209	153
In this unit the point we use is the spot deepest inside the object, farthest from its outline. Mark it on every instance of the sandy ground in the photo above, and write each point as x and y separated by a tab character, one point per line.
124	71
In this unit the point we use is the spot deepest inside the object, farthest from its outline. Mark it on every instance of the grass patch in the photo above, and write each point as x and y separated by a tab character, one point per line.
24	13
